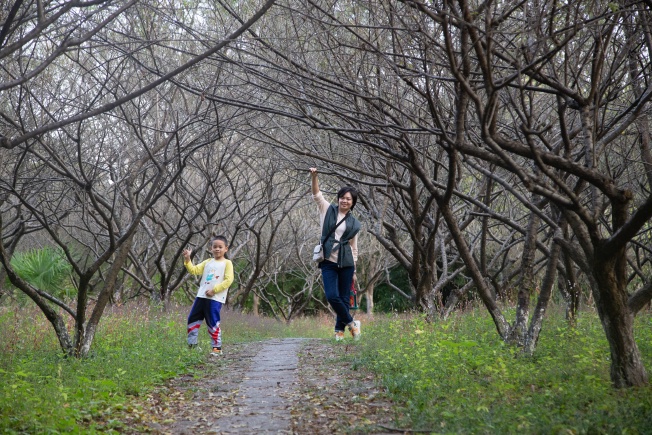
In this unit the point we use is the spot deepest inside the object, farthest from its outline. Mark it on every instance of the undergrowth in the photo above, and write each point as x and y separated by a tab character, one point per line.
453	376
136	348
457	376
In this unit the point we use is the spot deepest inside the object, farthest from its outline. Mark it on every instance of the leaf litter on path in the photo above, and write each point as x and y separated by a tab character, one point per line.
329	397
334	398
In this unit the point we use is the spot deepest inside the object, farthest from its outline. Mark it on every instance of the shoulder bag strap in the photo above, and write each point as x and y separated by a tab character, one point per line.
335	227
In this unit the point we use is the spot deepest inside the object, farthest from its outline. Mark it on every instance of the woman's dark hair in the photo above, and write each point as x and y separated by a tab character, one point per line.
354	194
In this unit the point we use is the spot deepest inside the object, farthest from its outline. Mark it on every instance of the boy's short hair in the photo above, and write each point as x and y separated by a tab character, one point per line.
220	237
351	190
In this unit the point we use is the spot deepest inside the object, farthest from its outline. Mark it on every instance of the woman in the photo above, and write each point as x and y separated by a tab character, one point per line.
339	238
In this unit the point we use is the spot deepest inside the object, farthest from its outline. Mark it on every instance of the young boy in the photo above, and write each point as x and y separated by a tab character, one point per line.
217	276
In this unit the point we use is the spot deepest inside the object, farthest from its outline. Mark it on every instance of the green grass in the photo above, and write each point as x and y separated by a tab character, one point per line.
136	348
456	376
452	376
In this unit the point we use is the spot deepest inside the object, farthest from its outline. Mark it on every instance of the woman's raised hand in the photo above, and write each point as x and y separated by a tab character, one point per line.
314	185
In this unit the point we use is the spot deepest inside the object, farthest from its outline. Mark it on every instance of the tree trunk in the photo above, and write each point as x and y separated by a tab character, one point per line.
167	299
527	285
256	304
3	278
573	302
454	296
369	297
532	336
474	270
50	313
486	200
86	340
610	296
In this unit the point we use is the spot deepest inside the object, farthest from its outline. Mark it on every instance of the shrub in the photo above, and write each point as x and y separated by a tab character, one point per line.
46	269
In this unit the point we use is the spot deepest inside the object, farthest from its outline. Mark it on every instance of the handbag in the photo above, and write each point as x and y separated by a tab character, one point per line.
318	251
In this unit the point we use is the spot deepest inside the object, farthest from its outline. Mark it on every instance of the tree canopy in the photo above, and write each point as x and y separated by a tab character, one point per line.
501	151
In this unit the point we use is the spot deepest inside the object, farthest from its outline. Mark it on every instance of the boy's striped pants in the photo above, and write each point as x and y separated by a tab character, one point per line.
208	310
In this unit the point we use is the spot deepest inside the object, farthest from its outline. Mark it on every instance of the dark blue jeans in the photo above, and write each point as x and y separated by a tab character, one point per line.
337	287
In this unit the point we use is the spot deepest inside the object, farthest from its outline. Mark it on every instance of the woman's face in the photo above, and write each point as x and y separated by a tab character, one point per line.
345	202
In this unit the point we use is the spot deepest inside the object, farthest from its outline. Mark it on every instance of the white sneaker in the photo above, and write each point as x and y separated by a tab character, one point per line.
339	335
354	327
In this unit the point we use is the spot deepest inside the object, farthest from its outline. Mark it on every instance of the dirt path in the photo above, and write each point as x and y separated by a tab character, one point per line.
266	391
288	386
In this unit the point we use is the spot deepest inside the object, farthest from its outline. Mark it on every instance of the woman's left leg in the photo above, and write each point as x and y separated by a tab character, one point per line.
344	289
344	281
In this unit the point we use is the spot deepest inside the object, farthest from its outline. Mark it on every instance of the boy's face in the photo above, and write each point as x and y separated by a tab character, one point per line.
218	249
